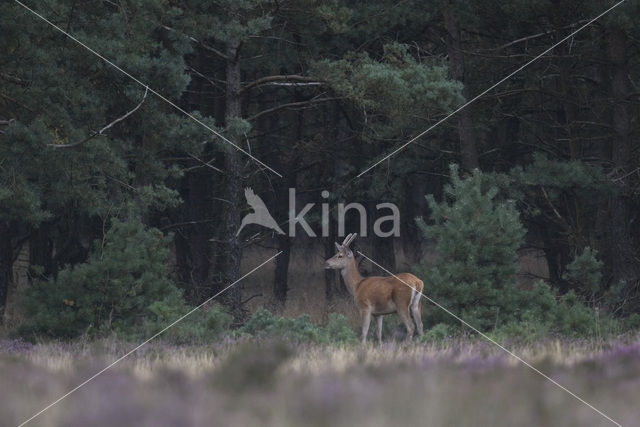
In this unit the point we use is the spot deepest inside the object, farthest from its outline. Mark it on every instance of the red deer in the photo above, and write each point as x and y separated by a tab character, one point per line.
377	296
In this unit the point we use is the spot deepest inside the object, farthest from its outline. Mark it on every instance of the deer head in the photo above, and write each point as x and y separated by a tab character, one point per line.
343	256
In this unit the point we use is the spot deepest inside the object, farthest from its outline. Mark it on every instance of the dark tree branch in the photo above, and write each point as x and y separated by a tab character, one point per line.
101	131
8	98
207	164
250	298
290	105
535	36
14	79
214	50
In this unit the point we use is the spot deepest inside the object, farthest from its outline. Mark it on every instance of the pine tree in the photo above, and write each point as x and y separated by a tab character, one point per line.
477	235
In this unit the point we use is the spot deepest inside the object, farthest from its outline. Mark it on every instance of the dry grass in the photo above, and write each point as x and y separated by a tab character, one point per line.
458	383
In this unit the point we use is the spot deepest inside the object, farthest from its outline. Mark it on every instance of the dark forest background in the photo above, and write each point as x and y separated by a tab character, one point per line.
317	90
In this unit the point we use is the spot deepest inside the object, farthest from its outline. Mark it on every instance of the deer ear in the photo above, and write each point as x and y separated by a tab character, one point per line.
349	253
337	246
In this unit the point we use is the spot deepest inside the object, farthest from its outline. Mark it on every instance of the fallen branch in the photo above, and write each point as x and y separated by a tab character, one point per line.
101	131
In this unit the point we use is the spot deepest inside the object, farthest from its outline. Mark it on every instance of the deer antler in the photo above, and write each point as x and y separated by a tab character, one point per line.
350	238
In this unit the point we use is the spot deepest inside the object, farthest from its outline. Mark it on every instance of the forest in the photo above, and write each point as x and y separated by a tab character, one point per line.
174	174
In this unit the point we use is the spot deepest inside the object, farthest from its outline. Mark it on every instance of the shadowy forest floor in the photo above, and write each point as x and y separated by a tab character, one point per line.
463	382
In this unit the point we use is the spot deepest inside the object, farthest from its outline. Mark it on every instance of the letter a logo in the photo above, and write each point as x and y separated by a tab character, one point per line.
260	214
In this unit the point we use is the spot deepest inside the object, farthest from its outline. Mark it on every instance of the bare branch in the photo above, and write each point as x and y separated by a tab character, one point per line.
546	196
6	123
101	131
8	98
250	298
14	79
214	50
207	164
535	36
290	105
280	78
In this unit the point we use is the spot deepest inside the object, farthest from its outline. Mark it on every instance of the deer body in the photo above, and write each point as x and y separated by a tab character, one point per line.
377	296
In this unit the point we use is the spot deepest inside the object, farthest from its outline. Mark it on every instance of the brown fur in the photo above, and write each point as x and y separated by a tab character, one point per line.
377	296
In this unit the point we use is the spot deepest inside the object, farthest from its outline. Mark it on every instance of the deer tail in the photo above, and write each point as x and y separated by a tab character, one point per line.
416	291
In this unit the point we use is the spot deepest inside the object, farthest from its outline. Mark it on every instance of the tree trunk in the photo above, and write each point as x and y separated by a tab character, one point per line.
468	149
6	262
620	246
280	280
199	210
231	253
192	244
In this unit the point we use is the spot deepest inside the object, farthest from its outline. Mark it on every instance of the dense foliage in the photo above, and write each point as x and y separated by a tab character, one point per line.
123	283
477	234
318	91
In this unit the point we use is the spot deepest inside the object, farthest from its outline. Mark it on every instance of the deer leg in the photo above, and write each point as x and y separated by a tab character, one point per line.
406	319
379	328
366	320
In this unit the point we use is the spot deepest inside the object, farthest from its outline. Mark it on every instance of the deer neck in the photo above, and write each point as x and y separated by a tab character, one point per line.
351	276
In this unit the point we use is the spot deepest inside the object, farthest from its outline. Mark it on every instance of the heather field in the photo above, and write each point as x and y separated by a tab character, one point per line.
463	382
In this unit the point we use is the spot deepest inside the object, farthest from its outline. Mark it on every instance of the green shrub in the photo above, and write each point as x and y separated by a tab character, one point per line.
200	327
477	234
439	332
338	330
264	324
544	312
584	272
123	285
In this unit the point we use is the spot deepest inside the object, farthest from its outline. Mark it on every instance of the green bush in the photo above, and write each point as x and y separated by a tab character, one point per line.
544	312
477	235
264	324
123	285
438	333
584	272
200	327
